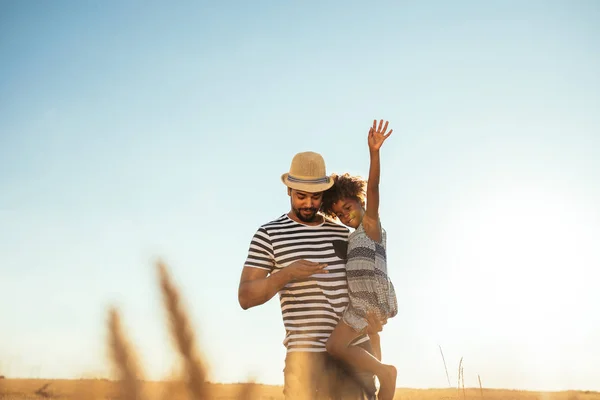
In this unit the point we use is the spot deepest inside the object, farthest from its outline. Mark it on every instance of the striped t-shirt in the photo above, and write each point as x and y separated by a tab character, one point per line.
312	307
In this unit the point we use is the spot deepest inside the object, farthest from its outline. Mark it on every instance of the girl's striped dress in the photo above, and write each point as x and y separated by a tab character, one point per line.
369	287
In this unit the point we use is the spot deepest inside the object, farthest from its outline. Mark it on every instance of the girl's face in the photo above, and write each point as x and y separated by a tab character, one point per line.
349	211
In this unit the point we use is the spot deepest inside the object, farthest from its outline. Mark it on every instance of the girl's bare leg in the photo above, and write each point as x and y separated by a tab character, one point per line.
338	346
376	345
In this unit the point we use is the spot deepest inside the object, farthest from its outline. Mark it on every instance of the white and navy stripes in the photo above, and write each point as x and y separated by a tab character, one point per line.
312	307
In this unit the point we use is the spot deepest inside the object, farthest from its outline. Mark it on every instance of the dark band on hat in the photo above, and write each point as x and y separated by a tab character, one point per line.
298	180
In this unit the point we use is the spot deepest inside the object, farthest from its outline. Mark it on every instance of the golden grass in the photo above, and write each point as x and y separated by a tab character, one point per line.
99	389
193	385
91	389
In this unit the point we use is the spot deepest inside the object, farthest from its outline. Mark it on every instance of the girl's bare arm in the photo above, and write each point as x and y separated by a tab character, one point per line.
377	136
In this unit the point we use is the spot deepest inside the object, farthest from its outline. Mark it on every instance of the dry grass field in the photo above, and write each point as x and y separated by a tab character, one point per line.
89	389
130	384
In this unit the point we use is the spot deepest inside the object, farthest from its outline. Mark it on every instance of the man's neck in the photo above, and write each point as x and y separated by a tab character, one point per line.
317	221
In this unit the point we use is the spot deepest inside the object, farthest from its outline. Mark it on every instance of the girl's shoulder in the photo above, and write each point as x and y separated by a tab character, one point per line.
372	230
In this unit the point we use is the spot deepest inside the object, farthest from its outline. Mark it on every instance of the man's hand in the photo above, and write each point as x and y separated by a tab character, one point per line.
377	135
375	325
303	269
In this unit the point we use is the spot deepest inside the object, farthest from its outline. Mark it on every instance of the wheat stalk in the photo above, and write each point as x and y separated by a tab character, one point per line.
128	370
183	336
445	367
480	387
460	370
462	375
123	359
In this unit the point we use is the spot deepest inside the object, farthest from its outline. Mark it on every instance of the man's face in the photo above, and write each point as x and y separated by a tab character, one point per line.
305	205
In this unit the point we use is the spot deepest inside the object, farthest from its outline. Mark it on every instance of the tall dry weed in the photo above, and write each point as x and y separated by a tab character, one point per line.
183	335
459	375
124	360
445	367
480	387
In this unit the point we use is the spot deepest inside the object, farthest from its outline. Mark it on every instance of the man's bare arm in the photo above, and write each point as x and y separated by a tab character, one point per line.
257	286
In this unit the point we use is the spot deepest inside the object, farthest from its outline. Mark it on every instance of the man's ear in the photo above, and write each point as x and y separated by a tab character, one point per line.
289	191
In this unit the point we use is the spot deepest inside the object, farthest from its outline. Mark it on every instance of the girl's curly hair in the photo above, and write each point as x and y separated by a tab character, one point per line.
344	186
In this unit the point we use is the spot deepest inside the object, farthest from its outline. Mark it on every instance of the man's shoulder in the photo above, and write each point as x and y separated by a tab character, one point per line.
274	223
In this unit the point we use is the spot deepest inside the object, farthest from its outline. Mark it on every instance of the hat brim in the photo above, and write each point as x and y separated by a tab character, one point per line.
306	187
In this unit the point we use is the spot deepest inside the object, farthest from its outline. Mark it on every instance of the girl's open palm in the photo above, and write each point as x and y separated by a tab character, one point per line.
377	135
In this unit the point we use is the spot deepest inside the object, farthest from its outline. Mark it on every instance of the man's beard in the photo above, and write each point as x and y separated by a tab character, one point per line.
304	218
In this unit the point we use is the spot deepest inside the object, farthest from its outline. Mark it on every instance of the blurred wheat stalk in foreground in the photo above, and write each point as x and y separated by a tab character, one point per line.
125	362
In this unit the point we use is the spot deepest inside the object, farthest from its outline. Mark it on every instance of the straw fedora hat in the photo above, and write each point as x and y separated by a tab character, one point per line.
307	173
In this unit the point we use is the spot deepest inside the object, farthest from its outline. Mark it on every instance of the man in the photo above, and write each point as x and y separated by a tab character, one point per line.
301	256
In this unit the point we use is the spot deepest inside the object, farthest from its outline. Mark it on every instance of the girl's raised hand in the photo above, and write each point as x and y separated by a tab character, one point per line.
377	135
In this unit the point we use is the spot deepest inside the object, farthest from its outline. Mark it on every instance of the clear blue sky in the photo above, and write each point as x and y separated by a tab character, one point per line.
133	130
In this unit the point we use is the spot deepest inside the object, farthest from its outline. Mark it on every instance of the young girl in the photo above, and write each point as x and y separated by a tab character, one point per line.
369	287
